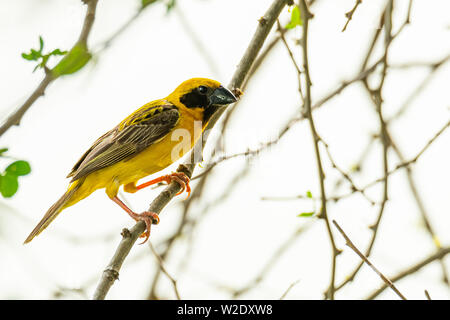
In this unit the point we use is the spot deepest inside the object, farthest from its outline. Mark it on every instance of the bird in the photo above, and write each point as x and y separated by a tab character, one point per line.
144	143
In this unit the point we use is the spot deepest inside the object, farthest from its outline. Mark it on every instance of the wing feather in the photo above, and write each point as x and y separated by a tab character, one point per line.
141	130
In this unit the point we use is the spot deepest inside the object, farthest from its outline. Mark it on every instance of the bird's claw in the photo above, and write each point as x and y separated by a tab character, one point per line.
182	179
149	218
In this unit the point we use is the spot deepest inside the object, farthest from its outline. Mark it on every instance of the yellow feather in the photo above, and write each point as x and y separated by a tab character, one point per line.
156	157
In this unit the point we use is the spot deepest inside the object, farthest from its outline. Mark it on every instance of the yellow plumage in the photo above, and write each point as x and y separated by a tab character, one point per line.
142	144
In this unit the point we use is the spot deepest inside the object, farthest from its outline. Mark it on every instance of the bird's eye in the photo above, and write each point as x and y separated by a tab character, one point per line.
202	90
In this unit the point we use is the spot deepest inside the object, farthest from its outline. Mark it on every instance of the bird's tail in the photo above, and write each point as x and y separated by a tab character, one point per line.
55	209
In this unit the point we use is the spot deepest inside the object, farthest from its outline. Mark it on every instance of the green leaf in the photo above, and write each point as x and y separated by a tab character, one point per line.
3	150
19	168
37	55
28	56
41	44
145	3
57	52
171	4
296	19
76	59
8	185
306	214
309	194
32	56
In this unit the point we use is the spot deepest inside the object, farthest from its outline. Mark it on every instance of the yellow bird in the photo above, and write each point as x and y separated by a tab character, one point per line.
144	143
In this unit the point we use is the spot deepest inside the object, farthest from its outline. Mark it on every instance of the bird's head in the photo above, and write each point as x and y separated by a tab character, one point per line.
202	93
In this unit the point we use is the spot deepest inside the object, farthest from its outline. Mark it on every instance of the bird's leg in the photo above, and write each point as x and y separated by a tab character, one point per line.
147	216
180	177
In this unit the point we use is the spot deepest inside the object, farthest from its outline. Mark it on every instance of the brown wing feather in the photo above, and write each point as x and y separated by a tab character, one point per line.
118	145
83	157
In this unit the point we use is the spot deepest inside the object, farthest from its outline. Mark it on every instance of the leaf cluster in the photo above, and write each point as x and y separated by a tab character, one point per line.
9	179
40	57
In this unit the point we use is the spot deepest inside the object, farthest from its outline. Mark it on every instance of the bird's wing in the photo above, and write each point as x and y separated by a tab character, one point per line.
137	132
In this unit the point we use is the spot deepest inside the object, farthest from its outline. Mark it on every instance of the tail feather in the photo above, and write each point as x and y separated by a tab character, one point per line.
53	212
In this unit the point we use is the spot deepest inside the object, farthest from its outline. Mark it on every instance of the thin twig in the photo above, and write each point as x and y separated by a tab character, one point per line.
434	67
377	99
399	166
282	31
345	175
249	152
201	48
107	43
411	270
293	284
350	244
349	14
420	204
164	270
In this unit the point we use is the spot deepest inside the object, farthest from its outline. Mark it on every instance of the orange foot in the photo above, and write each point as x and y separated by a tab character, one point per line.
180	177
149	218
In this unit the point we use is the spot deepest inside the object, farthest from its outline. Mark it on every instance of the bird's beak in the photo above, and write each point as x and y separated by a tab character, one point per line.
222	96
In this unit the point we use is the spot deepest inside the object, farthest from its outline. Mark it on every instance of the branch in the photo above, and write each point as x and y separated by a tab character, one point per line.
350	244
377	99
250	153
410	270
345	175
88	22
111	272
413	159
306	16
349	14
164	270
291	56
15	118
434	67
293	284
362	76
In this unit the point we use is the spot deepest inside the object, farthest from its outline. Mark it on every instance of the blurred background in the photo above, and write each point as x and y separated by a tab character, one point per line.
253	231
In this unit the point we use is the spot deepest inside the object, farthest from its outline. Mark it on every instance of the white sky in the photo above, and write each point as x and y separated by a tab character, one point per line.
235	239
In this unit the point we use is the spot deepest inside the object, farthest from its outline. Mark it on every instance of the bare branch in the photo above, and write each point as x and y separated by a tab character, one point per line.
412	269
164	270
293	284
306	16
349	14
15	118
350	244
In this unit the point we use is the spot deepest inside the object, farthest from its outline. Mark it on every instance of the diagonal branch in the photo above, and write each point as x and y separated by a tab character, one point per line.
413	269
349	14
350	244
15	118
110	274
164	270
